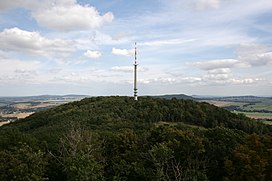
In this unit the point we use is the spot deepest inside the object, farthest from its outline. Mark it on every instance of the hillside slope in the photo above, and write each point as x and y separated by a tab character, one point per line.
103	110
117	138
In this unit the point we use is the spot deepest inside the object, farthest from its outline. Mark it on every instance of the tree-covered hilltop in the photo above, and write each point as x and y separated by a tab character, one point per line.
117	138
177	96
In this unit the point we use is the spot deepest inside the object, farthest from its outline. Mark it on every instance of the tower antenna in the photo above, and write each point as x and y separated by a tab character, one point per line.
135	74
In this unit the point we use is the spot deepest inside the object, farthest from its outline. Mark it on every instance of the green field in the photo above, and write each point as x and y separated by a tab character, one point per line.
2	104
266	105
22	105
255	114
253	107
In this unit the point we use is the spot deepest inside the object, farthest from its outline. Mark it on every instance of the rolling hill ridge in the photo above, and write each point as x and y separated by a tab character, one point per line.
117	138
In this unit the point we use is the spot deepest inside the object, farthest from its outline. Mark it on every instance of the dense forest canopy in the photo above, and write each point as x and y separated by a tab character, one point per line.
117	138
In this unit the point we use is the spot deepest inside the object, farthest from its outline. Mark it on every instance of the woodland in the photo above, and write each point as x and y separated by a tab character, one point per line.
117	138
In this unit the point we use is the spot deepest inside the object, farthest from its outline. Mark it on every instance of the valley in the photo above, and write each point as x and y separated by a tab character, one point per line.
13	108
254	107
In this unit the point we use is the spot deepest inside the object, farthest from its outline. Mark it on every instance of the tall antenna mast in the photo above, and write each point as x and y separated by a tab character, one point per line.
135	75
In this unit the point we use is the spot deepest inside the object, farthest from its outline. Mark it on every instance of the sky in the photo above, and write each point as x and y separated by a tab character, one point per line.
193	47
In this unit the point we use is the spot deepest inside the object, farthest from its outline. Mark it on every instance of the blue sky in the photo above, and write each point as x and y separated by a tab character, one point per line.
195	47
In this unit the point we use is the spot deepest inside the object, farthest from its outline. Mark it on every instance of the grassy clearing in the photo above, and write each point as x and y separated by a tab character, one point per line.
179	124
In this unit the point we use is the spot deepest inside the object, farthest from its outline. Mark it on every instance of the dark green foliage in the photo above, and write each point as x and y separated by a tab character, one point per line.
177	154
117	138
22	163
251	160
219	143
80	155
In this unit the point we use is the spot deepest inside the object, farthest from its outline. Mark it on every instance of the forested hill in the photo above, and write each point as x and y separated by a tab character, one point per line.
117	138
102	110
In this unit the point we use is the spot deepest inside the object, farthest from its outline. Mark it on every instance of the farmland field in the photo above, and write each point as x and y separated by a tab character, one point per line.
253	107
256	115
2	104
13	108
18	115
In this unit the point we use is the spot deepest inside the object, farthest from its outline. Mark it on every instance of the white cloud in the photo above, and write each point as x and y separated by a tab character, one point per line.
87	75
96	38
175	72
143	81
163	80
219	71
167	42
217	64
18	40
68	15
248	55
192	79
122	52
206	4
25	71
14	70
127	69
92	54
11	65
120	36
122	68
259	59
243	81
219	75
226	79
210	77
254	54
62	15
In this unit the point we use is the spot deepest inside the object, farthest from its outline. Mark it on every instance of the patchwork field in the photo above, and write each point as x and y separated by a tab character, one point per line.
13	108
253	107
256	115
18	115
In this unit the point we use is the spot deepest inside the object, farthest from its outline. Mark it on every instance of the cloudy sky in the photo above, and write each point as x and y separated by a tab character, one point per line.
203	47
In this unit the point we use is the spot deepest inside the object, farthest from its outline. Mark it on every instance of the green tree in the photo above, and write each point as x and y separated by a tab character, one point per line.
80	155
161	156
23	164
248	161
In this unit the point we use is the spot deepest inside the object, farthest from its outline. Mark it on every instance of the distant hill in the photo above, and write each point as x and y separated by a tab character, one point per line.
177	96
41	98
231	97
117	138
